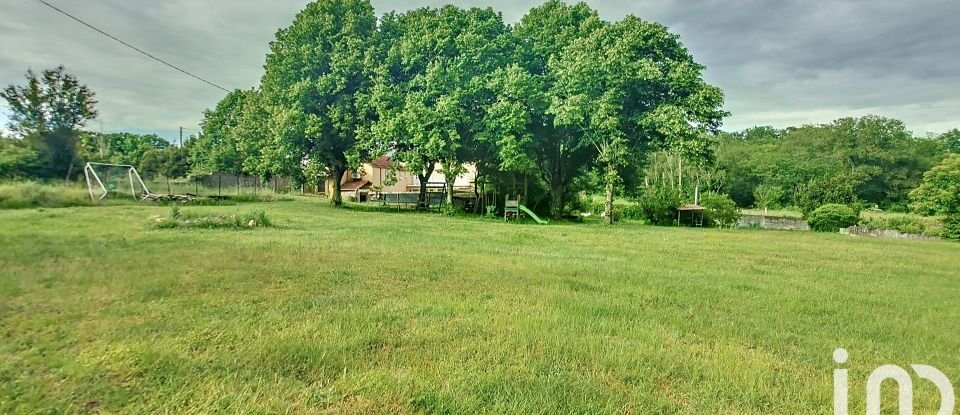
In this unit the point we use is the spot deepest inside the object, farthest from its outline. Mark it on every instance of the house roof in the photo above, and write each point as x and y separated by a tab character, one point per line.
354	185
383	162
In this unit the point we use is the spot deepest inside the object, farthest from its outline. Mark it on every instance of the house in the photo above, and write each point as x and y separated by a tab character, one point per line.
373	177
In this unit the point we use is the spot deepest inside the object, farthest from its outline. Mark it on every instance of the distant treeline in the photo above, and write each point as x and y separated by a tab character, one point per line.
871	159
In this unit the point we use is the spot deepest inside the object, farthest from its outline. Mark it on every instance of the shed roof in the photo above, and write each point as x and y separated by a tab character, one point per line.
382	162
354	185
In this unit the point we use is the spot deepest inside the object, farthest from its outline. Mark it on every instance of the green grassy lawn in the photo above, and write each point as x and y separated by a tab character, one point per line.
348	311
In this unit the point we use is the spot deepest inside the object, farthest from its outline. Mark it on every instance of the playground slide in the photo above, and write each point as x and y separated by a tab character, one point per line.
533	215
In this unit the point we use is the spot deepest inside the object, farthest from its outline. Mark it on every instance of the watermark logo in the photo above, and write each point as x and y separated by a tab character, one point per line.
904	386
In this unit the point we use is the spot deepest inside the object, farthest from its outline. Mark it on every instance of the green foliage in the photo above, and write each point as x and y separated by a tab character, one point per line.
829	190
768	196
531	137
621	209
50	102
432	90
216	149
939	193
675	171
24	195
170	162
46	114
16	158
832	217
658	205
721	210
252	139
882	156
951	227
119	148
900	223
951	139
632	85
316	85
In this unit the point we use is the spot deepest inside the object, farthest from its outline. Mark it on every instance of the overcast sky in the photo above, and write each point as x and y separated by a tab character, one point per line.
780	63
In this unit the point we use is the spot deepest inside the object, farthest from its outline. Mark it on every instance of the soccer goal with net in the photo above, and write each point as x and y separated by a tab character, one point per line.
120	180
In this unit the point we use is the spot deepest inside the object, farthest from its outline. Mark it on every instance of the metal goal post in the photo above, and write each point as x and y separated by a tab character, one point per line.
94	183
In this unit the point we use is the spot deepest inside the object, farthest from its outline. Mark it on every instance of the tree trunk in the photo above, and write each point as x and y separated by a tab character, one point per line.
450	181
336	199
477	206
422	197
169	192
238	185
69	172
556	198
608	198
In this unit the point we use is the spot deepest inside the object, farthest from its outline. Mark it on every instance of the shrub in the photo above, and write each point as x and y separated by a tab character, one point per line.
832	218
829	190
938	193
904	224
768	196
633	211
951	227
658	205
721	210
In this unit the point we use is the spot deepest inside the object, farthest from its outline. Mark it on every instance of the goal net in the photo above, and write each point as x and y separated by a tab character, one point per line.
114	181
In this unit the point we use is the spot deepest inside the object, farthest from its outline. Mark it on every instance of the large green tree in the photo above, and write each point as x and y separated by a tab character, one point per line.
48	112
431	90
952	140
528	135
216	149
316	75
252	137
939	193
632	86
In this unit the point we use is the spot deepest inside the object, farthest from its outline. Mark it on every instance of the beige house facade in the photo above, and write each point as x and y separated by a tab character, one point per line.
375	177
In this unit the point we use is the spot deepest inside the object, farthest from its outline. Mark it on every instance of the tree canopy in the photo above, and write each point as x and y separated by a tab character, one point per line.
939	193
315	78
216	149
52	101
430	91
876	157
632	86
47	113
119	148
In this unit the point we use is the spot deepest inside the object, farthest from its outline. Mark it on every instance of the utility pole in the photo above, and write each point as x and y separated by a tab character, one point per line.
181	137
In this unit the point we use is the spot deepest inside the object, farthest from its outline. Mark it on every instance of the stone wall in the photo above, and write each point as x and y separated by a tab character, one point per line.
885	233
771	222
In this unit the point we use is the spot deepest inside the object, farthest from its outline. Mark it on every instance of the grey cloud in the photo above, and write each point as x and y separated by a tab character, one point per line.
779	62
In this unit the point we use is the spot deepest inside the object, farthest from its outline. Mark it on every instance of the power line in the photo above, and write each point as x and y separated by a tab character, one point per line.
133	47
